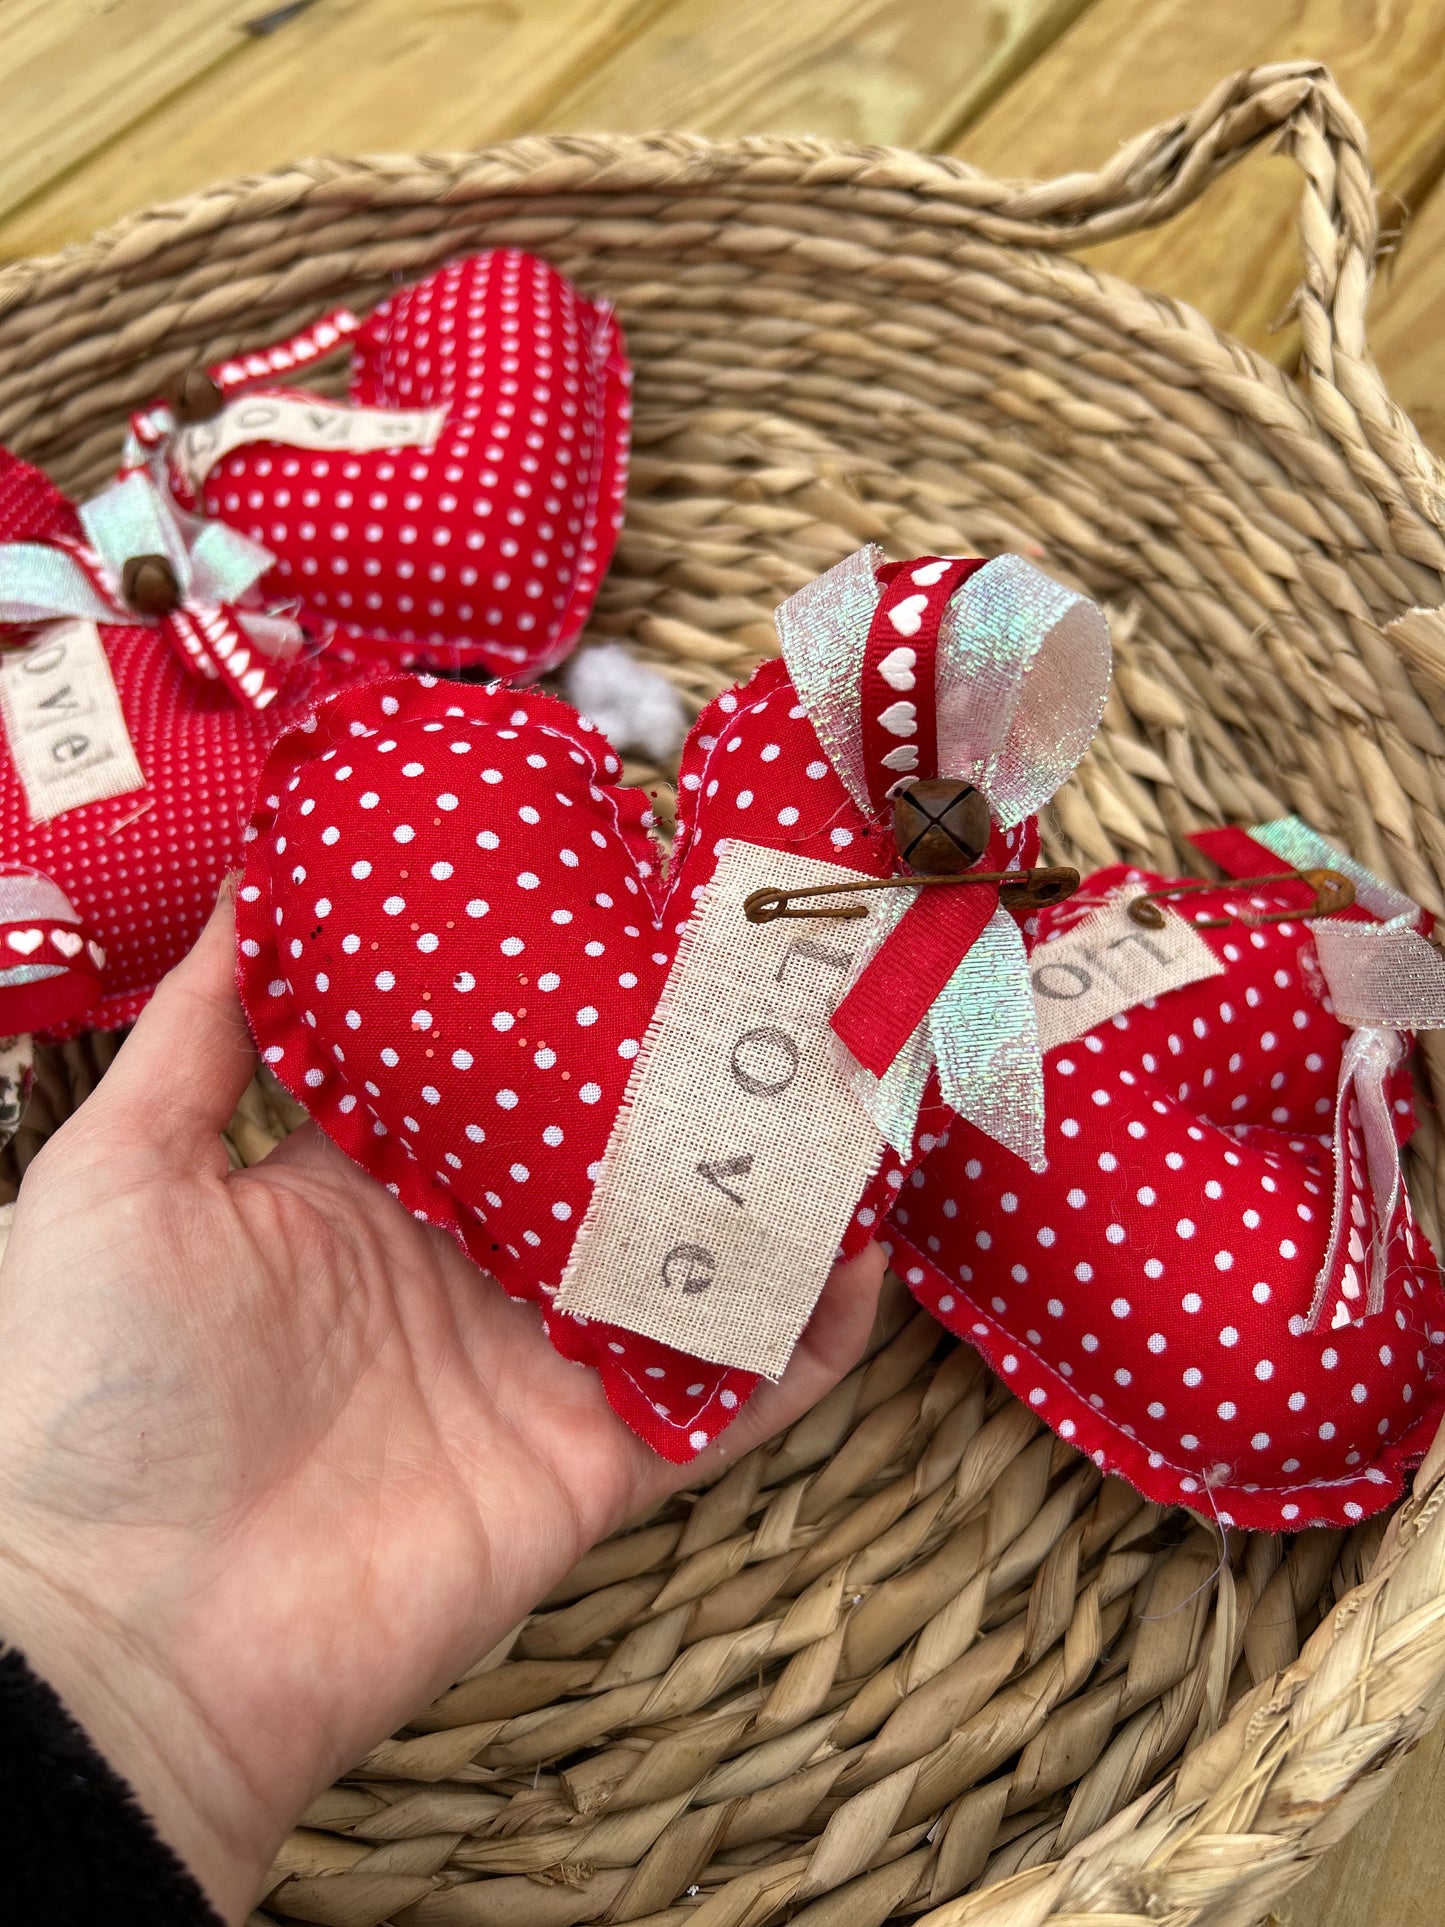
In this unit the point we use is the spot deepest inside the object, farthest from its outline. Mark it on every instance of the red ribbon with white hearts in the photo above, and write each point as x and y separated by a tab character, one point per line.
51	940
152	427
898	690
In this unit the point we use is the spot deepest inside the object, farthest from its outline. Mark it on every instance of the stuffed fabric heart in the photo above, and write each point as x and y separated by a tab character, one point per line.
115	890
1171	1293
484	547
454	941
452	944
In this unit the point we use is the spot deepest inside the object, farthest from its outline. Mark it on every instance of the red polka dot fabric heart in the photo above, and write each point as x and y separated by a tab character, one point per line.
487	547
1153	1292
453	938
131	877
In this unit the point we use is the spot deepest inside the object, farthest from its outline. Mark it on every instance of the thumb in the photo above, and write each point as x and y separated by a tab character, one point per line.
181	1072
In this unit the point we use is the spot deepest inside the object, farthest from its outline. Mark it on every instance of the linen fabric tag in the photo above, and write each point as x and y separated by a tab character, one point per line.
1107	964
740	1151
196	450
64	724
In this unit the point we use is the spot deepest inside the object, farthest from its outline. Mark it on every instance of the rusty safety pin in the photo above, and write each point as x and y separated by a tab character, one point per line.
1332	892
1017	889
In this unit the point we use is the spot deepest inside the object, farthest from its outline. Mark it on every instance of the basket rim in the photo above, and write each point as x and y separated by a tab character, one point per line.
1292	107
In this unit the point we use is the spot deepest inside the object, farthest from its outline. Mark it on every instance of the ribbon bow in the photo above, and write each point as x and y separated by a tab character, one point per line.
993	674
1384	977
147	562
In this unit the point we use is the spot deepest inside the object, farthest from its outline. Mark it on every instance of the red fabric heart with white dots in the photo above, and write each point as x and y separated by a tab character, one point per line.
453	938
139	871
486	548
1153	1293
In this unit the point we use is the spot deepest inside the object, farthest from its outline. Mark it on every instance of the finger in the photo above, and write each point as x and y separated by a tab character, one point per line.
833	1341
181	1072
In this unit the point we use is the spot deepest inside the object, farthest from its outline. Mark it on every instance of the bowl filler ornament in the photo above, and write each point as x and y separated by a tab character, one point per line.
143	682
461	508
1216	1286
658	1109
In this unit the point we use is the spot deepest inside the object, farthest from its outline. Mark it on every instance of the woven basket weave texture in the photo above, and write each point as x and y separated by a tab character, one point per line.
916	1657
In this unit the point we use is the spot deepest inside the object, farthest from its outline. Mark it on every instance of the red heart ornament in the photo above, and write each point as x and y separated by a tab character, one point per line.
453	939
140	870
1150	1292
51	968
487	547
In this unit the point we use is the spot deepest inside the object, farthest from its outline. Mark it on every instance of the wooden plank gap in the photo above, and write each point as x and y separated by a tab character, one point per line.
1050	26
888	72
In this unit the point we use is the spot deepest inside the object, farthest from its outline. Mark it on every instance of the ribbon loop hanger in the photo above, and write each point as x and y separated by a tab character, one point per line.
991	677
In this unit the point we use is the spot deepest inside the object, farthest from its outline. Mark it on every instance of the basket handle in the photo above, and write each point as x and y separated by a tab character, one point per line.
1159	172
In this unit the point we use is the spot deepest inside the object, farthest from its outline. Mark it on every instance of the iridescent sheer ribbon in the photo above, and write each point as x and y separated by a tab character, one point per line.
1022	673
215	569
1383	978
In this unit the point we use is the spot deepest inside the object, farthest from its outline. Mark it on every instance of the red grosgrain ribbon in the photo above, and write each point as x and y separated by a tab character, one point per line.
1238	855
910	968
898	690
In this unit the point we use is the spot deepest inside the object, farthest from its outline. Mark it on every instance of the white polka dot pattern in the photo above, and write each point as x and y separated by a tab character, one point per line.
488	548
1148	1293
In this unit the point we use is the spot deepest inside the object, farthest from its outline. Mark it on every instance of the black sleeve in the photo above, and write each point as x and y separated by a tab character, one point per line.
75	1847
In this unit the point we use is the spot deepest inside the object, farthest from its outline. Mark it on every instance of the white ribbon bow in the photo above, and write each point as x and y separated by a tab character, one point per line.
215	570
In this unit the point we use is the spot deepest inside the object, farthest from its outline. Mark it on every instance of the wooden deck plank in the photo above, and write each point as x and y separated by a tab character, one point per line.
1388	1872
348	76
78	71
1405	322
1129	63
906	72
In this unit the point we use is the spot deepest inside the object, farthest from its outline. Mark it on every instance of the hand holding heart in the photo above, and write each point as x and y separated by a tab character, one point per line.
453	942
273	1469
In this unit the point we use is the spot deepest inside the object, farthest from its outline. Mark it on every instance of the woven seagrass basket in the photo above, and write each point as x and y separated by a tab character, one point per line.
915	1657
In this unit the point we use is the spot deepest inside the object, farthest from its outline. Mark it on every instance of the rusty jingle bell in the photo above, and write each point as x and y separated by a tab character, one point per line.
196	398
941	826
149	585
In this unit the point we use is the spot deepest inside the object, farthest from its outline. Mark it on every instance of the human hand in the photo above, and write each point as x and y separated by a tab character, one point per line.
276	1463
